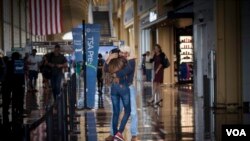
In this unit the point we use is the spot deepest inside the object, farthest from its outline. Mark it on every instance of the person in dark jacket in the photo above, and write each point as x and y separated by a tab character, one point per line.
2	67
14	93
57	62
100	64
100	73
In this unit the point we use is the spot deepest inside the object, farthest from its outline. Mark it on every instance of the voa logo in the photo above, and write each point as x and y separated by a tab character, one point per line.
236	132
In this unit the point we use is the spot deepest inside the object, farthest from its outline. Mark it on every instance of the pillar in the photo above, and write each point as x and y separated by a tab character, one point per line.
228	53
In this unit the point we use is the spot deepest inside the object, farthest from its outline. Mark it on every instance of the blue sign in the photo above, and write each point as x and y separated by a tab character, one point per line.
92	46
18	67
77	43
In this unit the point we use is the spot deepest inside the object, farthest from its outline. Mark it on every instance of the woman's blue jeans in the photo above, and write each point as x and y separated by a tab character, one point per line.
120	93
148	75
133	114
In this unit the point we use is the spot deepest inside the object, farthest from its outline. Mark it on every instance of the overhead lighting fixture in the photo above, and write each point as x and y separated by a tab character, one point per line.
152	16
67	36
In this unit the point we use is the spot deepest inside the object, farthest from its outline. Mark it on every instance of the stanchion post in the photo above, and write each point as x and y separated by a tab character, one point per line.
59	115
64	113
84	64
26	132
71	116
73	94
49	124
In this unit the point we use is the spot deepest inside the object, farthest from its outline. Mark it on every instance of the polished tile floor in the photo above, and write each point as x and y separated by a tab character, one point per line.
179	117
170	120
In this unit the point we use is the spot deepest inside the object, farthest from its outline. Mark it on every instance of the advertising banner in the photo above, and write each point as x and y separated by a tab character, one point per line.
77	43
92	46
18	67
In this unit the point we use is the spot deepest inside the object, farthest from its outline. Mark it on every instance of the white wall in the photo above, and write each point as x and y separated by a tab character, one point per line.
6	26
16	29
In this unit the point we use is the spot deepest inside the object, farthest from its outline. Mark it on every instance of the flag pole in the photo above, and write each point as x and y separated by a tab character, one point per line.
84	64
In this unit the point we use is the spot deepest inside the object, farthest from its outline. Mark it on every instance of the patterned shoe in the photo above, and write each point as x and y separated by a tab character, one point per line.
118	137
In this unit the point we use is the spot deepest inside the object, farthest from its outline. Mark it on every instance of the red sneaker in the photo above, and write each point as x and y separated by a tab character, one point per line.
119	136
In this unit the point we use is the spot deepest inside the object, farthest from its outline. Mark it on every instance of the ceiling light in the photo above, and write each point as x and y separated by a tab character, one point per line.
67	36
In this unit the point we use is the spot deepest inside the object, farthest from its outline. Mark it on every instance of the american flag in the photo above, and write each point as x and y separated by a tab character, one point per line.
45	17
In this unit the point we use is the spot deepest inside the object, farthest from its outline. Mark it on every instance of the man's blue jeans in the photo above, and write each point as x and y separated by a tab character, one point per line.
148	75
120	92
56	80
133	114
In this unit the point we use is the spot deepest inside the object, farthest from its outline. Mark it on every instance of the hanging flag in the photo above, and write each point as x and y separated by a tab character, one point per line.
45	17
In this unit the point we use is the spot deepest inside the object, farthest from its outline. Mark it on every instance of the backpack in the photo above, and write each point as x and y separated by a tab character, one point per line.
165	62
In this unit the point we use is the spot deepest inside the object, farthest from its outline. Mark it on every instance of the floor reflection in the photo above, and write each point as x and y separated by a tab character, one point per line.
170	120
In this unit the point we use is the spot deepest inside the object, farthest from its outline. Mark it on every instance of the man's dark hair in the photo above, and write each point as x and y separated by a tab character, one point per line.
115	50
34	50
15	56
57	46
99	55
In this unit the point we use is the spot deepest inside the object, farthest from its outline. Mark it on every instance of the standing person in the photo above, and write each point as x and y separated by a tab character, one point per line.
119	68
130	57
100	79
46	75
45	70
158	72
100	73
143	65
14	94
148	67
33	66
17	93
26	68
2	72
2	68
57	62
6	90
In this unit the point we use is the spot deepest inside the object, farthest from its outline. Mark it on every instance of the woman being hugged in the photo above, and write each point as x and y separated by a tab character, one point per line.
119	68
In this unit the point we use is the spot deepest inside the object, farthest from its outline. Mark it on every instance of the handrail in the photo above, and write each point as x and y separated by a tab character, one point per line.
61	104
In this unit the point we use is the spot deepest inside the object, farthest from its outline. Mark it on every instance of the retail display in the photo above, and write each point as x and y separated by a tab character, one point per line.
186	59
186	47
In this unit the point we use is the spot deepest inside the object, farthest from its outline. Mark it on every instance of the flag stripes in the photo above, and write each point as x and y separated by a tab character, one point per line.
45	17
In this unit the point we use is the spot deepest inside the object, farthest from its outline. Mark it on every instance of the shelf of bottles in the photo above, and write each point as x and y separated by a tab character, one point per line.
186	58
186	47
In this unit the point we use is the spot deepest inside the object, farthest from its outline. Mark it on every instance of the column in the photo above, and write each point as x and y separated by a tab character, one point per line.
228	53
